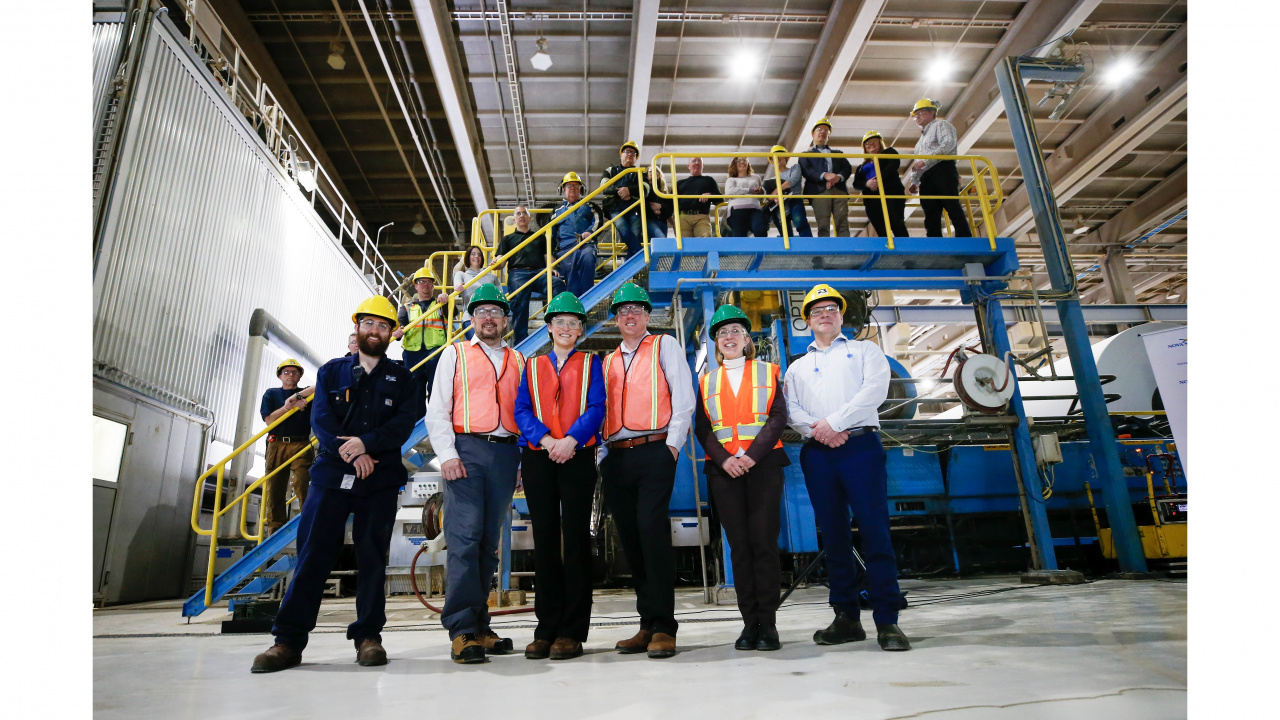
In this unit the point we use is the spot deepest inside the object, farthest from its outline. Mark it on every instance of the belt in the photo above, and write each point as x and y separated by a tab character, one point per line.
284	439
855	432
633	442
500	439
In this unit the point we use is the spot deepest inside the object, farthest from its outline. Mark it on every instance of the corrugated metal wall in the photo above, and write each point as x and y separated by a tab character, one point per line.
202	229
106	43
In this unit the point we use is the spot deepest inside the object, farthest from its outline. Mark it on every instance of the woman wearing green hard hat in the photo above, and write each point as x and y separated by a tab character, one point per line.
559	410
741	414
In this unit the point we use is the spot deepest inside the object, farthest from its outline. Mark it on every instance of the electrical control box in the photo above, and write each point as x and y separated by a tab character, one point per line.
421	486
1172	510
1047	449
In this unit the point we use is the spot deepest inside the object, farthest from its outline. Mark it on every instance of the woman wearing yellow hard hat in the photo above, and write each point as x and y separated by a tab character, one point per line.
871	183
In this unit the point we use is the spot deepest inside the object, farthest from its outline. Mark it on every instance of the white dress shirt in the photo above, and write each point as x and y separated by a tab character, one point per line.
679	379
936	138
440	405
845	384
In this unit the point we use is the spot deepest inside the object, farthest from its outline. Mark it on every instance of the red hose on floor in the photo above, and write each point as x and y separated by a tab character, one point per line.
413	582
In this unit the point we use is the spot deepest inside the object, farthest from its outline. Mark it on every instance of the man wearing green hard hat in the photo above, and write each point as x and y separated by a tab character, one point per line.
647	418
559	410
471	422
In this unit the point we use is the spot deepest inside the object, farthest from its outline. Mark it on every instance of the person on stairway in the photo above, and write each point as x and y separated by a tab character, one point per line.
288	439
523	267
578	266
622	194
422	332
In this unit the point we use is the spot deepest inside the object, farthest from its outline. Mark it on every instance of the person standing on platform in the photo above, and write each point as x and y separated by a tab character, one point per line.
365	408
419	338
792	208
621	195
826	176
833	394
288	439
936	177
559	411
866	180
471	266
648	412
579	269
695	210
741	416
527	263
471	422
745	215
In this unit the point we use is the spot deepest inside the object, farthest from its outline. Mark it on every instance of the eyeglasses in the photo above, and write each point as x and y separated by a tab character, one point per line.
733	331
567	323
825	310
631	310
380	325
488	312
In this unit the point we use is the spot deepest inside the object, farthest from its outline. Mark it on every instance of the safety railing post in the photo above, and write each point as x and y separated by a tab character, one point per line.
213	537
884	203
644	220
983	204
785	223
675	189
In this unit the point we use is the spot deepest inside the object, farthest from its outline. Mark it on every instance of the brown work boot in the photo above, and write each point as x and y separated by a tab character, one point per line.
467	649
662	646
494	645
637	644
566	649
371	653
537	650
278	657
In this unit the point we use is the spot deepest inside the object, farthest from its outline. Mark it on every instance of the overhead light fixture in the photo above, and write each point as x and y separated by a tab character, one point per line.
1081	227
541	60
336	51
744	65
1121	69
939	70
306	175
418	227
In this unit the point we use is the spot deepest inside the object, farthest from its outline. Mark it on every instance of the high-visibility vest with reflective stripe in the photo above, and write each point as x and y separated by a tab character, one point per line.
637	397
559	399
737	418
427	334
483	398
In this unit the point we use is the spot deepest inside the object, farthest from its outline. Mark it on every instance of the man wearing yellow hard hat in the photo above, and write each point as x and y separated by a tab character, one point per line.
834	392
792	210
365	408
579	267
421	329
827	176
288	439
621	195
936	177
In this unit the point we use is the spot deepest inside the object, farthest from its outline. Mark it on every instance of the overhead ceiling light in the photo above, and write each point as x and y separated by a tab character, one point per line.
939	70
306	176
336	50
541	60
744	65
418	227
1121	69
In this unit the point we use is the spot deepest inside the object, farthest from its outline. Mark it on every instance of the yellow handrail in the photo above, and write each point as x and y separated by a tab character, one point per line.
261	483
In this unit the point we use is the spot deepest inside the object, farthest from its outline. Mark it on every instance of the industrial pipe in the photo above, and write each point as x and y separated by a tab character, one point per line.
413	583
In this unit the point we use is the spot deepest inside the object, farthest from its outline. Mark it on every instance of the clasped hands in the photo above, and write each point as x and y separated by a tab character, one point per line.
560	451
736	467
352	451
825	434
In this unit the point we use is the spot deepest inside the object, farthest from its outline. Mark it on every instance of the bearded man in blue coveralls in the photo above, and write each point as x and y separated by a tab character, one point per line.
365	407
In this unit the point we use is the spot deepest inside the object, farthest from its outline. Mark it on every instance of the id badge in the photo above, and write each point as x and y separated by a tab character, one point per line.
348	481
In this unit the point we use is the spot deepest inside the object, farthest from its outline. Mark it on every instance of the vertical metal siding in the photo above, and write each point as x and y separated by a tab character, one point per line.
106	44
203	229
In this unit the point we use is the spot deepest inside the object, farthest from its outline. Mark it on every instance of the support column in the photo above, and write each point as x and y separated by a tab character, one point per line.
1116	275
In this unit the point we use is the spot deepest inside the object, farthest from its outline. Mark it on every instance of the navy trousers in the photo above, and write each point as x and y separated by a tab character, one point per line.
795	213
853	476
475	507
321	530
520	300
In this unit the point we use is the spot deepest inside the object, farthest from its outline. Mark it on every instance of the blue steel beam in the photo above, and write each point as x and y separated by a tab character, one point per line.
244	567
1083	366
888	315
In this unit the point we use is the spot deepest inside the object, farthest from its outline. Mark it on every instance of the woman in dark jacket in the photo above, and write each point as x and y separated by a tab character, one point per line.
740	417
865	180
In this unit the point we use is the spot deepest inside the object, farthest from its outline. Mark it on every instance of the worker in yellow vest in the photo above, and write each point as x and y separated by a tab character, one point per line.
420	331
648	411
741	416
473	431
559	411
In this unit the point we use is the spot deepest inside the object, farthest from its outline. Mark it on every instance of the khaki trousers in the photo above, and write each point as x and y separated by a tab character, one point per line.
695	226
274	493
825	208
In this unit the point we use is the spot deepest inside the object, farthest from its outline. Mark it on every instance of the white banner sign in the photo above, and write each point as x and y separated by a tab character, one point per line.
1167	350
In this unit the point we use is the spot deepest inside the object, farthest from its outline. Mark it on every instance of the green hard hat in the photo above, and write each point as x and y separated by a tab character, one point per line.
727	314
566	303
630	293
488	294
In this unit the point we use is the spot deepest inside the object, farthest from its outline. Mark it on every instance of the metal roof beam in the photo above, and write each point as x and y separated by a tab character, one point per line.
1160	202
644	32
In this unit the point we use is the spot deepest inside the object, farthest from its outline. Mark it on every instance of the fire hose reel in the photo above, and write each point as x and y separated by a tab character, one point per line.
984	383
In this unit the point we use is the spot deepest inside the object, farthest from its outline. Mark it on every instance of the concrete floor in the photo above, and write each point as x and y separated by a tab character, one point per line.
985	648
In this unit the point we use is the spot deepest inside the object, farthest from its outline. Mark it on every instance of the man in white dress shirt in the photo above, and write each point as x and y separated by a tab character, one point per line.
936	177
833	397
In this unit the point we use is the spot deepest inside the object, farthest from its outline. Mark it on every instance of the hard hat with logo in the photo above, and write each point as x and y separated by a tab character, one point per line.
488	294
925	104
566	303
872	134
568	178
821	122
630	293
377	306
290	362
726	314
629	144
821	292
425	272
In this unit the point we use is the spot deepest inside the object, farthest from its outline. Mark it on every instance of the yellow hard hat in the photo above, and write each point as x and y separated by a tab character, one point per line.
425	272
290	362
568	178
629	144
821	121
377	306
777	149
925	104
821	292
872	134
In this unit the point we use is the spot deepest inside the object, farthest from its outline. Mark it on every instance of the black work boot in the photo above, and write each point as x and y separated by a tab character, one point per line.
768	638
747	640
467	649
892	638
494	645
278	657
841	630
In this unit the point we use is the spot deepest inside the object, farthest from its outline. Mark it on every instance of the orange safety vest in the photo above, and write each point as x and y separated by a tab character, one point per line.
559	399
481	397
637	398
736	418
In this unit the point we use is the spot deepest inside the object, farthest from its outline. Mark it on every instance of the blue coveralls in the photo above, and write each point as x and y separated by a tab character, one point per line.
379	407
579	270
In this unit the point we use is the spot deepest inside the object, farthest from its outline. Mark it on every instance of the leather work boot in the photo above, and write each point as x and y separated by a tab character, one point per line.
371	653
537	650
662	646
494	645
891	638
566	649
467	649
768	638
841	630
278	657
636	644
748	638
